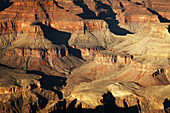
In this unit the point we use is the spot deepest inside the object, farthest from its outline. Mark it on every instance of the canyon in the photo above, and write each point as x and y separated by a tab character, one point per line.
80	56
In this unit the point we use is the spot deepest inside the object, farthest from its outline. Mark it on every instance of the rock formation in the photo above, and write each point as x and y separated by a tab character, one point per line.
84	56
23	92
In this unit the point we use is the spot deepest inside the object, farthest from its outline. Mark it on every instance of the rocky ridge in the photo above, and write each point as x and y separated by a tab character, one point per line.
111	52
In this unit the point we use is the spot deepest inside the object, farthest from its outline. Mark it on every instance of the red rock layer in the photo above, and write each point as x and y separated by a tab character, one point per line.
137	13
160	6
54	61
38	53
21	14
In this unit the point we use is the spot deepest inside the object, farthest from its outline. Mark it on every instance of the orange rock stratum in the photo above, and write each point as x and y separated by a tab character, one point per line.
81	56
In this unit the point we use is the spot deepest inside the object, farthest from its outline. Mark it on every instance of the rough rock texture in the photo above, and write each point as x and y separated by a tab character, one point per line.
132	94
53	61
24	92
33	44
114	54
142	45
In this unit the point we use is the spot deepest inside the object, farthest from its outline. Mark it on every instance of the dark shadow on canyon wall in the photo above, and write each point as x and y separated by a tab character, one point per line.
1	65
5	4
105	13
56	3
58	37
109	16
50	82
87	13
75	52
54	35
161	19
109	106
42	101
166	104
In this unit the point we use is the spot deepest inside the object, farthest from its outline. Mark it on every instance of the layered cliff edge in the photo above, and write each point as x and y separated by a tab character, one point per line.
114	54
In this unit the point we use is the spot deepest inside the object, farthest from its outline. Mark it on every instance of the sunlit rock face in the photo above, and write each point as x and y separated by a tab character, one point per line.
24	92
115	55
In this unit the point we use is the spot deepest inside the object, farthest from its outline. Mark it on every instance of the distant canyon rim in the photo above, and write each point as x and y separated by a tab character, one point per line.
84	56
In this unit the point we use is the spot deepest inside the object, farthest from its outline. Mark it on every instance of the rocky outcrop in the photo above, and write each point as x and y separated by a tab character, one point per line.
88	53
109	58
137	13
123	95
92	39
13	81
23	92
68	26
141	45
50	61
142	67
114	53
38	53
160	7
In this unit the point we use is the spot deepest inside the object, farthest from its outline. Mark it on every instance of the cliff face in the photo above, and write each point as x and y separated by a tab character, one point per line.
114	54
23	92
28	31
50	61
123	94
110	58
142	43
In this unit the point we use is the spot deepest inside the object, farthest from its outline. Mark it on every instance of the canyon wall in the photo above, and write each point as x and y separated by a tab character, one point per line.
113	53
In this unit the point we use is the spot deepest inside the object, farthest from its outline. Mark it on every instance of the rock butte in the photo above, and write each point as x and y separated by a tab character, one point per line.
85	56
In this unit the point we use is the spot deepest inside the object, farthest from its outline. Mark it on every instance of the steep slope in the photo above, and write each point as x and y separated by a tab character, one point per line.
114	54
24	92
